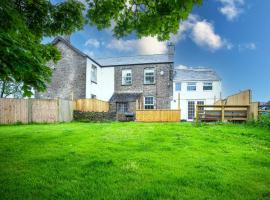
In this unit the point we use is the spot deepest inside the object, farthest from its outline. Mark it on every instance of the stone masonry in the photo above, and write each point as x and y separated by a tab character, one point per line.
69	75
162	90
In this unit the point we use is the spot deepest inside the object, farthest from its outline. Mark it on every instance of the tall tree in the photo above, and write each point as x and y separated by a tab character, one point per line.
23	24
142	17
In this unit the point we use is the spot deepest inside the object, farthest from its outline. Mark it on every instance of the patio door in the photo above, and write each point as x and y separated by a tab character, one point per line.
191	110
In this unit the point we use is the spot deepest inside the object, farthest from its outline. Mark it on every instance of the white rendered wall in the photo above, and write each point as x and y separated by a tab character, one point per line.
104	87
209	97
106	82
91	87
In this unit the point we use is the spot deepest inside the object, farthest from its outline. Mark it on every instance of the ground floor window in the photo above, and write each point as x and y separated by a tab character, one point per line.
149	102
122	107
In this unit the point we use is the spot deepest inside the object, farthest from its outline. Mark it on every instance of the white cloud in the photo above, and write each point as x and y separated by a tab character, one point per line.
231	8
202	33
92	42
145	45
247	46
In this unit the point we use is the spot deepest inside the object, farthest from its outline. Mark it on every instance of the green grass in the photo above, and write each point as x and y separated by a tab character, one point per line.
134	161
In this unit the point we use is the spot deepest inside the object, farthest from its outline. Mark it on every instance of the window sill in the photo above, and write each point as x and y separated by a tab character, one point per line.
149	83
126	84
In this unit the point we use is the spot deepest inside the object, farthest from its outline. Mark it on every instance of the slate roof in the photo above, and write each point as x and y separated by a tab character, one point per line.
58	38
133	60
125	97
118	61
196	74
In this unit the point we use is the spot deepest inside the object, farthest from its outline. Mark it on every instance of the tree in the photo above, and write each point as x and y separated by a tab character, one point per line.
142	17
10	88
23	24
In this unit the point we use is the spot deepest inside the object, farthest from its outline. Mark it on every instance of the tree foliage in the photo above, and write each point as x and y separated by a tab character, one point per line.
142	17
23	24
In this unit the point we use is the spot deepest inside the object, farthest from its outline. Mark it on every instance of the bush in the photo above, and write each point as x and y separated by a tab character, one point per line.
264	120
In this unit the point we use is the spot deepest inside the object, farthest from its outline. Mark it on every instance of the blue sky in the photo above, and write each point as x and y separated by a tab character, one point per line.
231	36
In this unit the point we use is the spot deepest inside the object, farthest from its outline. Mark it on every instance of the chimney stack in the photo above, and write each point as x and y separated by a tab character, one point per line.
171	50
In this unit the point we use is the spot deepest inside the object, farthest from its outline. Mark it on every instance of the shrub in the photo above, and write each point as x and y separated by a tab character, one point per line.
264	120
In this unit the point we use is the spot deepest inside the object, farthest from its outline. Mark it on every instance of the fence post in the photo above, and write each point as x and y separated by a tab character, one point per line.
222	114
58	110
197	114
30	110
178	101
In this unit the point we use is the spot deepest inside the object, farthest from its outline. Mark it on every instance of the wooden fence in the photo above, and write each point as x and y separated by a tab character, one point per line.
223	113
35	110
158	115
91	105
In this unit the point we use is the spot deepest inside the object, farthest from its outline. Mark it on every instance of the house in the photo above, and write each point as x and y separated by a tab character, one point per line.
192	86
123	81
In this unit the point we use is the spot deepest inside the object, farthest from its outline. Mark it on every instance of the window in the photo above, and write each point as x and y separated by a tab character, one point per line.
177	86
191	109
93	96
149	102
94	74
122	107
149	76
191	86
207	86
126	77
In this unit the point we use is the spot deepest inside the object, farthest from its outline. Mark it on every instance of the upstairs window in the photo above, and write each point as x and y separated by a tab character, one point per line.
149	102
178	86
149	76
207	86
126	77
191	86
94	74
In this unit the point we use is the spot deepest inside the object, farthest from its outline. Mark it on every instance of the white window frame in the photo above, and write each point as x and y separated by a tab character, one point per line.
178	89
191	85
207	84
149	106
94	74
149	70
126	77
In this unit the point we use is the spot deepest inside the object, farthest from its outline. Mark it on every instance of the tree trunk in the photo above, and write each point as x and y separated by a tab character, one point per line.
3	89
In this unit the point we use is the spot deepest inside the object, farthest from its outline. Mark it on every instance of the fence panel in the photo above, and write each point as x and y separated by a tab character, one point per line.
91	105
44	110
65	110
160	115
35	110
13	110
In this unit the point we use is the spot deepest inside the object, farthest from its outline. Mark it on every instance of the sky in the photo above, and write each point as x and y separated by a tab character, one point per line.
230	36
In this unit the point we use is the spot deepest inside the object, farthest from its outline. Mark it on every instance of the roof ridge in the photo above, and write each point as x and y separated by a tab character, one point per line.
133	56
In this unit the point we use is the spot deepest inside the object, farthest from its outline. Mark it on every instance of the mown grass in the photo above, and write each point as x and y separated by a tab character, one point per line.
134	161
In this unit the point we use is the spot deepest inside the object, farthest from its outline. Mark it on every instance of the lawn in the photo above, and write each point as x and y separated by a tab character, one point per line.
134	161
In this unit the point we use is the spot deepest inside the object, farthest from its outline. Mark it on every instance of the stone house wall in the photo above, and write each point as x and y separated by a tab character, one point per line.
162	90
68	77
